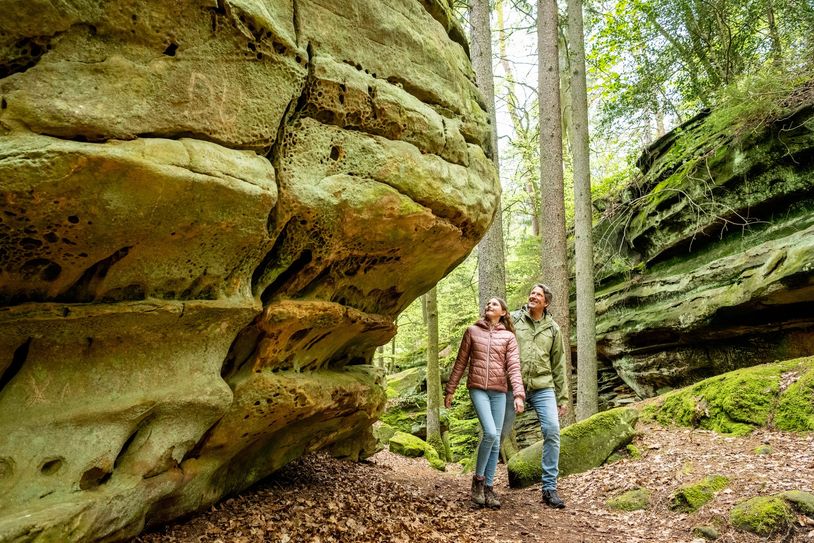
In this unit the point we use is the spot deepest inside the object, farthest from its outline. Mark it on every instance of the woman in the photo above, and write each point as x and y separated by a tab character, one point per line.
489	348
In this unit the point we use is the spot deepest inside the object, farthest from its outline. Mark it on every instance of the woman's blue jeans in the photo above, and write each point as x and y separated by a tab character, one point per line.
490	407
544	402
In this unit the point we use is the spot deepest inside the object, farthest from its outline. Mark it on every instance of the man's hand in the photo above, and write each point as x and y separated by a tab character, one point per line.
562	409
519	404
448	401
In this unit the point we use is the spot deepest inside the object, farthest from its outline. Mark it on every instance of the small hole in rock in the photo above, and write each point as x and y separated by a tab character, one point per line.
171	49
73	219
94	477
50	467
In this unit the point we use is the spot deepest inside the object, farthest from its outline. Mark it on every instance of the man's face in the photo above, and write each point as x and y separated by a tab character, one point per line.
537	299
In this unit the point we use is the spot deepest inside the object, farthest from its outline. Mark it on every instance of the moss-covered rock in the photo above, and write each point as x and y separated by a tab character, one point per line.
407	445
710	533
795	409
407	382
737	402
411	446
632	500
802	502
690	498
762	515
683	294
383	432
762	450
584	445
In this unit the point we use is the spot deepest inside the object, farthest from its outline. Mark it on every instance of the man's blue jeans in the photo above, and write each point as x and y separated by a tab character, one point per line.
544	402
490	407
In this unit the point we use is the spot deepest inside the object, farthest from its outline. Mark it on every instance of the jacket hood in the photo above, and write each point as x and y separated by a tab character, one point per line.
483	323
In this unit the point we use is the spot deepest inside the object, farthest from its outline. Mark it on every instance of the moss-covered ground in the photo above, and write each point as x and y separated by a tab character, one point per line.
779	395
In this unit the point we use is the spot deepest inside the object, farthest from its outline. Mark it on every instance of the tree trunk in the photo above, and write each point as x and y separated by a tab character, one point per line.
587	399
552	203
430	306
491	262
774	35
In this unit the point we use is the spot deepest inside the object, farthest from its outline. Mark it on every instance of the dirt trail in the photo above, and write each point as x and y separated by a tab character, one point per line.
394	499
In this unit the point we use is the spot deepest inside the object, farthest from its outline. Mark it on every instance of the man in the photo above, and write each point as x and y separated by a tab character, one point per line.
542	364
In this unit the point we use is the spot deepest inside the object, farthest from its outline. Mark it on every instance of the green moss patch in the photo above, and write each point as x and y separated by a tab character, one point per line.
761	450
735	403
411	446
795	410
763	515
632	500
691	498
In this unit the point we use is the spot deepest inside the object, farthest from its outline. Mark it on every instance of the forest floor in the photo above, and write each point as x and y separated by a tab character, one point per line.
389	498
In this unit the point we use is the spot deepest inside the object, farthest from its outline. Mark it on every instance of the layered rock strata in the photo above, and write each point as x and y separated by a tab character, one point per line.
210	213
707	262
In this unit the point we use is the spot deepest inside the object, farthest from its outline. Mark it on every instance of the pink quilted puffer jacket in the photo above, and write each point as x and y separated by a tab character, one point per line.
492	355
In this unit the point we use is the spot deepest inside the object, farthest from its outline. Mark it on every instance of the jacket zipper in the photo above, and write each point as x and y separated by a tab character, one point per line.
488	358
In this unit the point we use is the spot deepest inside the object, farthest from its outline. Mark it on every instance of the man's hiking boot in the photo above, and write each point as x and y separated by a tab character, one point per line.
491	498
477	490
551	499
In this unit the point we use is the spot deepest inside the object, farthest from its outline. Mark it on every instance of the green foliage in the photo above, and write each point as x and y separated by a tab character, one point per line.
685	51
463	440
691	498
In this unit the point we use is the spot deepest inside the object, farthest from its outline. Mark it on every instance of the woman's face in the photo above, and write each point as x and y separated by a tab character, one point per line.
493	310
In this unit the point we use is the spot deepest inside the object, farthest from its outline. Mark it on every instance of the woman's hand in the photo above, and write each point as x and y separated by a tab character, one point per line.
448	401
519	404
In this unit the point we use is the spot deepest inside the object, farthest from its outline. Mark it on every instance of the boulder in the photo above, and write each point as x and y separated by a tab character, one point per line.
762	515
691	497
632	500
407	382
210	215
583	446
411	446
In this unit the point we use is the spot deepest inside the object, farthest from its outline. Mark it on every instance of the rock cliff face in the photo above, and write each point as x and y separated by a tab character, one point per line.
210	212
707	262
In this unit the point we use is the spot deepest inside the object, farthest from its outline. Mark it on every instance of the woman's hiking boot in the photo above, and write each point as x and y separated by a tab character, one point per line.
491	498
477	490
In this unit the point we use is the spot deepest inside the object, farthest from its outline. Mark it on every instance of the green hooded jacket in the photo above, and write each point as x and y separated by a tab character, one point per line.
542	357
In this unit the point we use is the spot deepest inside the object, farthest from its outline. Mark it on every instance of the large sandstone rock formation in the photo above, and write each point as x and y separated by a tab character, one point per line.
707	262
210	212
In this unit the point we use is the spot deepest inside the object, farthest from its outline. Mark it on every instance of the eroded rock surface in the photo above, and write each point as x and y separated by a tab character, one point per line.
210	212
707	262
